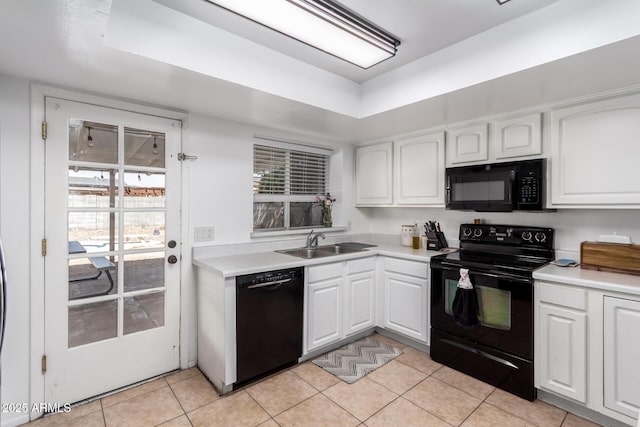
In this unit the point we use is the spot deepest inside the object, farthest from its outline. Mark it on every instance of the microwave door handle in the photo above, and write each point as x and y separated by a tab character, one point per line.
448	191
512	178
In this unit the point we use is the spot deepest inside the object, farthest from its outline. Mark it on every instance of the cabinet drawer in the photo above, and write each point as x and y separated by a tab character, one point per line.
411	268
324	272
360	265
562	295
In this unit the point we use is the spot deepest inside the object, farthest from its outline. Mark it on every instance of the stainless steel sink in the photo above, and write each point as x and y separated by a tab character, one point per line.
306	253
339	249
320	251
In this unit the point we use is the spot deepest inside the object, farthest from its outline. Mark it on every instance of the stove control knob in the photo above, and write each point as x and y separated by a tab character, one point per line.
466	232
477	232
526	236
541	237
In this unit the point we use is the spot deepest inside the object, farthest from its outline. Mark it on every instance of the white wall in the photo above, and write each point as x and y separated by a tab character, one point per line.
571	226
14	230
220	180
217	192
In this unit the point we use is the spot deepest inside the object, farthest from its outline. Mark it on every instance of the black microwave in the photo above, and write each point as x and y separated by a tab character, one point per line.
497	187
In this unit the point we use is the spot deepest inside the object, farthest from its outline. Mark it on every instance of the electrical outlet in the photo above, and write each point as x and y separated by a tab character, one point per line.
204	234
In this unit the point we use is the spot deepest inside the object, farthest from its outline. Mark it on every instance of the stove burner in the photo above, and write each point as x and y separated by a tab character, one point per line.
512	249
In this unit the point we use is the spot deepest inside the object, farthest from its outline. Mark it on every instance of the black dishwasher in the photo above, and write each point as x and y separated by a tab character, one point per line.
268	321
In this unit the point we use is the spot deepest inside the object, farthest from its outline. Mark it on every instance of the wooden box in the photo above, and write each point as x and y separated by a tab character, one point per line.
612	257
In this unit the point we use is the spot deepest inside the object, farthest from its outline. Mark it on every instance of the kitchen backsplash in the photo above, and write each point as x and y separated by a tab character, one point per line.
571	226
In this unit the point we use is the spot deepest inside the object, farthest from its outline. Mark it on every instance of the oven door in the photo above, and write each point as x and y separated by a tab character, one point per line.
506	309
481	188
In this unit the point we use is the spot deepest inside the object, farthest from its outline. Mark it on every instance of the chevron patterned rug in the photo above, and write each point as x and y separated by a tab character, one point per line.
355	360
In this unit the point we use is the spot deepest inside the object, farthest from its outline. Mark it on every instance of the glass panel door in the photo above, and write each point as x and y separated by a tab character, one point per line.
120	201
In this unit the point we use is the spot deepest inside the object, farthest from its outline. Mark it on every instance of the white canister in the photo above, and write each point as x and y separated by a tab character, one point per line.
407	234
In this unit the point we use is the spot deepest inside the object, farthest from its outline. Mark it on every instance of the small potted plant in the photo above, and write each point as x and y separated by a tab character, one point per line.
326	204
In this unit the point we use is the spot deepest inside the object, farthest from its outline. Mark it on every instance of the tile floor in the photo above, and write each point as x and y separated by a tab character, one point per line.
411	390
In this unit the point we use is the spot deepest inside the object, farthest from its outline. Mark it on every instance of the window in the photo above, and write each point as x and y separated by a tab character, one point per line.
286	180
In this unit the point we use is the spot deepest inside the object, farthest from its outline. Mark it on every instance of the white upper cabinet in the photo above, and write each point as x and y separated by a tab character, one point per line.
595	153
374	172
506	139
517	137
468	144
419	170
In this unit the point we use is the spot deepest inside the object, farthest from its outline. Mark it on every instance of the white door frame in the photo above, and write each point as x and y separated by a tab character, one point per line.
36	260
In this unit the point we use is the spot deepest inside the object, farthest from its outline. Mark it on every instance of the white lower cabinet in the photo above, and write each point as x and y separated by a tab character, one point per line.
360	295
622	355
340	301
561	341
587	347
405	298
324	316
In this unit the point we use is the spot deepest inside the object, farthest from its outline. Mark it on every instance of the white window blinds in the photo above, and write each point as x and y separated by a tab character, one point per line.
289	172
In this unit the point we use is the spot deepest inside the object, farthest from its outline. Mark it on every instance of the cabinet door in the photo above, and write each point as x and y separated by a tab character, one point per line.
324	313
467	144
360	302
562	351
405	305
517	137
595	154
622	356
374	175
419	170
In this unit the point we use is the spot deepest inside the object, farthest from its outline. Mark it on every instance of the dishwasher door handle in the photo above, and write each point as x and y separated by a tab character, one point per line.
266	284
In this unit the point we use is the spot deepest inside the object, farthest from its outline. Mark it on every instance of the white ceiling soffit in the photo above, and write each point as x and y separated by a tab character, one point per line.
564	28
422	26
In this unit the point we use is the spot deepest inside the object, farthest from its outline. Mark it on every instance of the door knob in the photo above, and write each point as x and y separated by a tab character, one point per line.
171	244
172	259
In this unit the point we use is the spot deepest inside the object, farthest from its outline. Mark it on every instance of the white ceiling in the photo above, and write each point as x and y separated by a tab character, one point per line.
422	26
458	58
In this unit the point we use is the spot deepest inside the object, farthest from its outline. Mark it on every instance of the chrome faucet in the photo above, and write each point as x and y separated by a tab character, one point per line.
312	239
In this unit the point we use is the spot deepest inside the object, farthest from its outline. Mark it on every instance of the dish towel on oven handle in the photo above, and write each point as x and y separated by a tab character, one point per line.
465	304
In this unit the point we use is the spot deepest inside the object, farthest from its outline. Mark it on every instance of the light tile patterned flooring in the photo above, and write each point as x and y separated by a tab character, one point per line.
411	390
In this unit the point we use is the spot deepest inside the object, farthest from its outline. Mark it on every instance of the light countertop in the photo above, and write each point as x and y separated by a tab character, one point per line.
236	265
625	283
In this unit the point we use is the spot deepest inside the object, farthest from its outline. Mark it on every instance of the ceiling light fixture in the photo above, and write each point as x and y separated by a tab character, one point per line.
501	2
323	24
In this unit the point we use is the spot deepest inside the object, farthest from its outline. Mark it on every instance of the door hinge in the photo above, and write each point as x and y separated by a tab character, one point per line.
44	363
182	157
44	247
44	130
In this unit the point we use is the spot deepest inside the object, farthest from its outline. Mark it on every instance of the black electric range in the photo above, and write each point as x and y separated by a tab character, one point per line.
500	260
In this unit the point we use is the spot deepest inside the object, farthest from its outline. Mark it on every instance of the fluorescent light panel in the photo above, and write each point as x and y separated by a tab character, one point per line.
321	24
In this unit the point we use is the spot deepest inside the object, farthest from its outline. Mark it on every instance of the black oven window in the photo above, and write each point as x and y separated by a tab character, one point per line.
495	305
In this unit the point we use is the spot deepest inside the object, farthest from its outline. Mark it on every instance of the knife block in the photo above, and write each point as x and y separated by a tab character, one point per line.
436	241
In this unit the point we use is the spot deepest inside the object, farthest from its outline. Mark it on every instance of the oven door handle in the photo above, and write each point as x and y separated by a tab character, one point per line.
493	274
